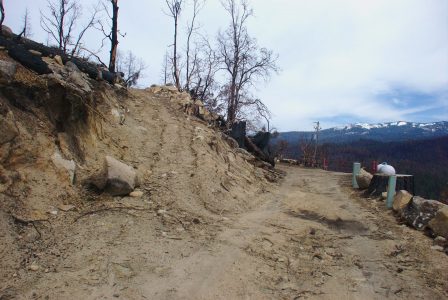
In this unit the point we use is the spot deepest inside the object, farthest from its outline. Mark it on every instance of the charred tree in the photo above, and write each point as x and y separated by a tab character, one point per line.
2	12
114	37
18	48
175	7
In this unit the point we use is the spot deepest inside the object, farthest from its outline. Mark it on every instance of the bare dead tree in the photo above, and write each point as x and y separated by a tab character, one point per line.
110	31
131	66
165	68
175	8
92	21
203	83
2	12
282	147
306	148
243	60
60	22
26	31
192	59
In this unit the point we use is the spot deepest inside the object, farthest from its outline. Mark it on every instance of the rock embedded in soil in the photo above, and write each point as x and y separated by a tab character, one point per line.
401	200
439	224
363	179
34	267
116	178
419	212
136	194
68	166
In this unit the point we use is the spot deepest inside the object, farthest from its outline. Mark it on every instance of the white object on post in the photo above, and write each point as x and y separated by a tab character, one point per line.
386	169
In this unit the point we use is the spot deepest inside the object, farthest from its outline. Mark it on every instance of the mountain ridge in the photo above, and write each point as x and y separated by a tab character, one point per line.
385	132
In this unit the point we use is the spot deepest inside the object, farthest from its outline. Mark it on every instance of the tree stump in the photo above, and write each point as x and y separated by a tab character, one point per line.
379	184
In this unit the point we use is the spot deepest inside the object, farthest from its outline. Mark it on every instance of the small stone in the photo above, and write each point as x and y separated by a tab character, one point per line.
440	241
136	194
58	60
389	233
66	208
54	212
437	248
161	212
34	267
14	275
47	270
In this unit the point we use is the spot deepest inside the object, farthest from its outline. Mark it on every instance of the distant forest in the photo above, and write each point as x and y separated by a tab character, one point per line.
427	160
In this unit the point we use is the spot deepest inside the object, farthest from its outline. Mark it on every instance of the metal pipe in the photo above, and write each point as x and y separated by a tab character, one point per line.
356	169
391	191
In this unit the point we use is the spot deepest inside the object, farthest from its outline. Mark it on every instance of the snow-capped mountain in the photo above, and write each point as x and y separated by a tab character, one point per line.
385	132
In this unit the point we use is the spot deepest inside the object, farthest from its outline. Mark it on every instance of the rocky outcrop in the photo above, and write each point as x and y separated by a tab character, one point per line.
65	165
363	179
230	141
401	200
439	224
419	212
7	70
8	128
116	178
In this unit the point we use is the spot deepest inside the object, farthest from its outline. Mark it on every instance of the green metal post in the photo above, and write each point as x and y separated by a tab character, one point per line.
356	169
391	191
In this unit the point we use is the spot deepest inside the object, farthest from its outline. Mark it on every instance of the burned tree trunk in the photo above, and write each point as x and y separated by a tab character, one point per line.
251	147
114	37
238	133
18	48
380	182
23	56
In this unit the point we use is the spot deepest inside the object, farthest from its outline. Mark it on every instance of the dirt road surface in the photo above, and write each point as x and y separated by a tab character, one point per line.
311	237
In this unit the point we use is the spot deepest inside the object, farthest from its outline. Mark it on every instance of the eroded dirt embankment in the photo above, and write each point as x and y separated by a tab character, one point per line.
61	238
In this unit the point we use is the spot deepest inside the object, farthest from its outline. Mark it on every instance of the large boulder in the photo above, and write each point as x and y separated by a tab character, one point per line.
420	211
401	200
439	224
116	178
363	179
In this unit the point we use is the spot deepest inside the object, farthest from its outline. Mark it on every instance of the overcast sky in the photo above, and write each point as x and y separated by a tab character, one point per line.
342	61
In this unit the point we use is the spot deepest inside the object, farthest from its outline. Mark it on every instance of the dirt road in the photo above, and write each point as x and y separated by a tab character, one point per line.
310	239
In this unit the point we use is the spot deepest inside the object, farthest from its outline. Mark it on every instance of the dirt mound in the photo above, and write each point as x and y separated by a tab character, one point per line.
57	130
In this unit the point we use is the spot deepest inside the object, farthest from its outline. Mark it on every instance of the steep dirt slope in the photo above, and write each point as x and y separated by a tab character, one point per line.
62	238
